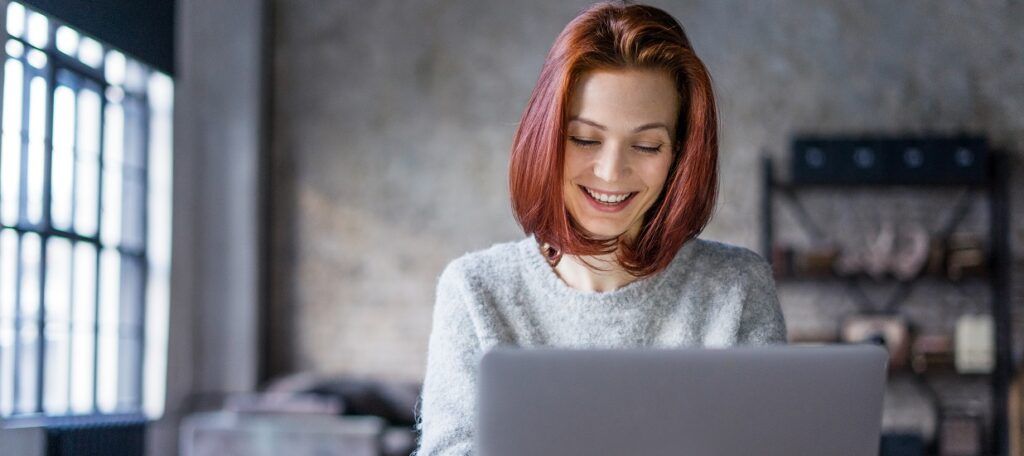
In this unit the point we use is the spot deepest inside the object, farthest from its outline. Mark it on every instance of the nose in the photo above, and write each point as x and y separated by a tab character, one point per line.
611	164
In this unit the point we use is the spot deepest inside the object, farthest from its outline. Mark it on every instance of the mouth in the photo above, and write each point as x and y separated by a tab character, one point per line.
607	202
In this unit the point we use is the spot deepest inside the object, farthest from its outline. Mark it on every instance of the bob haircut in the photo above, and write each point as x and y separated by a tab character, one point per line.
617	36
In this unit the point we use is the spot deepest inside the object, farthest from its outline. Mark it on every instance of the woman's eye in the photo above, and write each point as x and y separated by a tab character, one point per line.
588	143
582	142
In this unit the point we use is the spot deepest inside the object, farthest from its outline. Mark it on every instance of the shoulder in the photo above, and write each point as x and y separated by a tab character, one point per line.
485	266
474	284
728	261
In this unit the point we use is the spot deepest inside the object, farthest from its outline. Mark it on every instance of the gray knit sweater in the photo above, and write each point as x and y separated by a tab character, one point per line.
711	295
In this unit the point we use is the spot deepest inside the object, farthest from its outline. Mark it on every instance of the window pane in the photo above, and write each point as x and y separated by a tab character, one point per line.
10	155
63	166
132	289
158	243
28	335
155	358
114	68
136	77
113	133
8	273
128	383
87	163
110	274
30	280
135	129
38	29
55	390
36	149
89	122
134	200
15	19
86	193
90	52
58	302
159	176
15	48
37	59
131	324
58	280
28	359
112	176
8	278
83	335
13	89
67	40
106	392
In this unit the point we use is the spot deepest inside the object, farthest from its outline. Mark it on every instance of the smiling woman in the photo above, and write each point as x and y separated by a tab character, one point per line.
613	174
623	85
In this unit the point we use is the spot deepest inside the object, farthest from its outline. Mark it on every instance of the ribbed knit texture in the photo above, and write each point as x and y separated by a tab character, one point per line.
711	295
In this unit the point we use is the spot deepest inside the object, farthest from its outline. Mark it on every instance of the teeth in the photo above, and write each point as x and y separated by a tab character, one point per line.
607	198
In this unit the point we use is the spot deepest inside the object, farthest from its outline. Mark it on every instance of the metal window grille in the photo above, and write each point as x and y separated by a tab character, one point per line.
74	215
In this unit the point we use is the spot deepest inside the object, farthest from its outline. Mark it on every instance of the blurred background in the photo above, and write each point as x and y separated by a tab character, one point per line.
221	223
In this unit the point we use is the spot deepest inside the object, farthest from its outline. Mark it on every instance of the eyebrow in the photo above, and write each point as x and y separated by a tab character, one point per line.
646	126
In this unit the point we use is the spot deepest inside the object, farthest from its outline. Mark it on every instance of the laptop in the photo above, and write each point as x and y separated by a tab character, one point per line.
785	400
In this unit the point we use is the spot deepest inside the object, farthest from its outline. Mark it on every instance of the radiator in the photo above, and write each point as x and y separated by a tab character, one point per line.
111	435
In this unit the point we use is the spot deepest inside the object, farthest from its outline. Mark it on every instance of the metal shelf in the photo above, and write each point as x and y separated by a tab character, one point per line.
995	188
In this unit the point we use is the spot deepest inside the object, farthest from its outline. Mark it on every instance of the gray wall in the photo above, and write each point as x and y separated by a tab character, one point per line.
393	120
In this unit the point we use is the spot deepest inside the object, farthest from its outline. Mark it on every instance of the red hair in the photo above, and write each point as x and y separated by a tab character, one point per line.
617	36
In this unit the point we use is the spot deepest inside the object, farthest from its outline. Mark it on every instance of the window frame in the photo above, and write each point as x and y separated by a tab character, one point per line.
62	70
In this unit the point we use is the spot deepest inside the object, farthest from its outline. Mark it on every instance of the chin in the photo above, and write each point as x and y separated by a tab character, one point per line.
605	232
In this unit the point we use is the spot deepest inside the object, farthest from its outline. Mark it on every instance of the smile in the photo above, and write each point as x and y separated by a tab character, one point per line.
607	202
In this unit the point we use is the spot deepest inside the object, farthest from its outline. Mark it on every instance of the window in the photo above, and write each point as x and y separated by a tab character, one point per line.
85	163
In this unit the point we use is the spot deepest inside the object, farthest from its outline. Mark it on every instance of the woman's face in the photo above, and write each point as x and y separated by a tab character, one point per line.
618	145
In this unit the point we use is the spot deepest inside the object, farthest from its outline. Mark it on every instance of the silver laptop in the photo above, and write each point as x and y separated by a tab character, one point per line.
789	400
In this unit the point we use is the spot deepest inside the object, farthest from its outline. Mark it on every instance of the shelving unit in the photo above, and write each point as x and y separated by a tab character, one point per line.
993	185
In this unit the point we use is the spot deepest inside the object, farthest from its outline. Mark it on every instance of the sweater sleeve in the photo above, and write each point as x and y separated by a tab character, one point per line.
761	320
447	412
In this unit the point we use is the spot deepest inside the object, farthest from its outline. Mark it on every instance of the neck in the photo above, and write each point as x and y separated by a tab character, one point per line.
578	275
612	275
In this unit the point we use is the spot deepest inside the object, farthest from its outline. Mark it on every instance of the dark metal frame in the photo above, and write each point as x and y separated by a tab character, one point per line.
995	187
134	257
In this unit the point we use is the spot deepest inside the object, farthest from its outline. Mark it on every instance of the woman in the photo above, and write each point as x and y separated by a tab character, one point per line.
613	174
